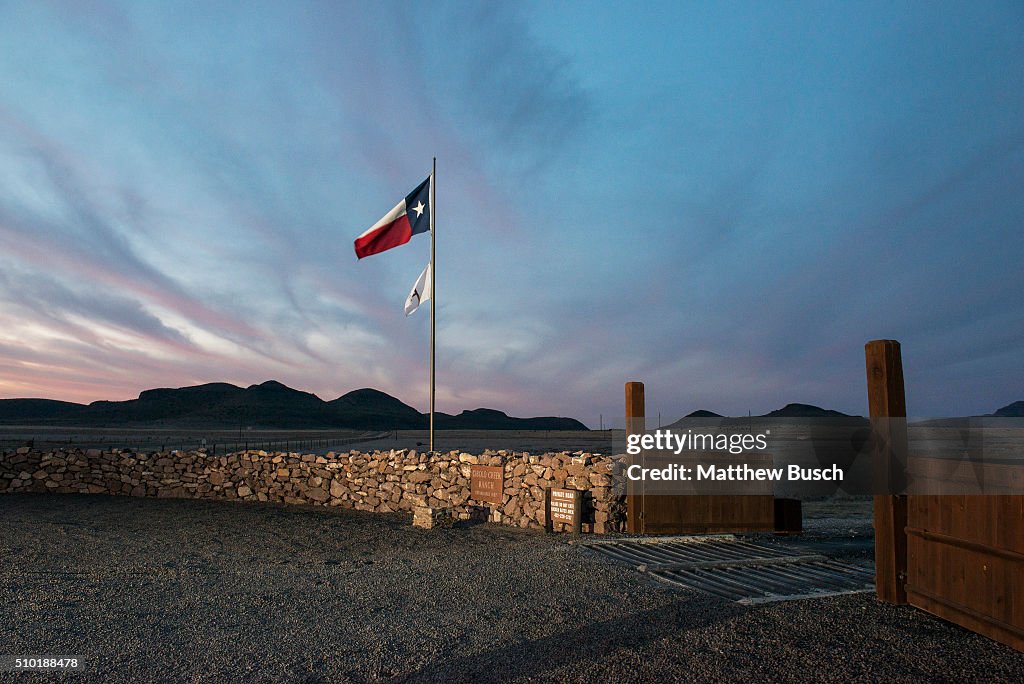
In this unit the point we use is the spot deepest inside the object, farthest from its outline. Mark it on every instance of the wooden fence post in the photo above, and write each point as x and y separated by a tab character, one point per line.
886	399
634	407
634	424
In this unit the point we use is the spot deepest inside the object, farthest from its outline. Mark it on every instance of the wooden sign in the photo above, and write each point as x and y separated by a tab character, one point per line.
565	506
487	483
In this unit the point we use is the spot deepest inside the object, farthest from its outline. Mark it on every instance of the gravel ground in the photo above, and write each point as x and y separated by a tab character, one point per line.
182	591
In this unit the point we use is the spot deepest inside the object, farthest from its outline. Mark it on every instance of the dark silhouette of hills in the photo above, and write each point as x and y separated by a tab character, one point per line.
489	419
220	404
267	405
35	410
1014	410
788	411
804	411
701	413
372	409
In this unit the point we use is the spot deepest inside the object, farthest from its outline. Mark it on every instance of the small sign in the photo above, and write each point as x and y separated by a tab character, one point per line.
565	505
487	483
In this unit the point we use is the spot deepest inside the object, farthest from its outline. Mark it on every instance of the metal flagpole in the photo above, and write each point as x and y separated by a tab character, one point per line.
433	299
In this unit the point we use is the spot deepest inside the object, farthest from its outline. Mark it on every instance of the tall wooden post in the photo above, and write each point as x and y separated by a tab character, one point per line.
634	425
634	407
886	399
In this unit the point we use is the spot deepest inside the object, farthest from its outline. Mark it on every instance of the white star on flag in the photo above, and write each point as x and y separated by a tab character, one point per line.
419	209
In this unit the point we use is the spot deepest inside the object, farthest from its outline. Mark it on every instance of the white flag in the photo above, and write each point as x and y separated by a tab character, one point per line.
420	291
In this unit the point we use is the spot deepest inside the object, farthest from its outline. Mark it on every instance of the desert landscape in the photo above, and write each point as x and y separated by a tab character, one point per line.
131	582
295	593
493	341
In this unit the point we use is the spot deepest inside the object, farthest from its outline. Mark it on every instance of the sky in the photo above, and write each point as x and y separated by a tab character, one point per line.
722	200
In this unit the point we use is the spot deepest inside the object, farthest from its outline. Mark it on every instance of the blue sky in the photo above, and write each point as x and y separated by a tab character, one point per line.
724	200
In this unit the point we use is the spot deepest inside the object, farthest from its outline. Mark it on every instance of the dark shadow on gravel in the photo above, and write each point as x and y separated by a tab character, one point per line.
526	659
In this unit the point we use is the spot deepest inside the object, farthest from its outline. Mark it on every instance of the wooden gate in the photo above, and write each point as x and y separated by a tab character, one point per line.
699	514
689	514
958	557
965	562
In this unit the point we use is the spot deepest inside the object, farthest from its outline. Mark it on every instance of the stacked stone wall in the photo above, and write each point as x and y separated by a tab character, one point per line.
379	481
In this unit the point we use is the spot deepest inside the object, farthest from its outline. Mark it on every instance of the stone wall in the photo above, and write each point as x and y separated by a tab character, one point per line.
380	481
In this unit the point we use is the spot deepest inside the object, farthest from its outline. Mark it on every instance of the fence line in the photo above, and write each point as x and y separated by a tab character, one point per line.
214	446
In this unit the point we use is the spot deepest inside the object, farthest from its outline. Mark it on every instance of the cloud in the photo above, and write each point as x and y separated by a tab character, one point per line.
49	298
727	210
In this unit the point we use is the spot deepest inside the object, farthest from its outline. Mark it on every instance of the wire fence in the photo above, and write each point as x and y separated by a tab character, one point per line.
219	444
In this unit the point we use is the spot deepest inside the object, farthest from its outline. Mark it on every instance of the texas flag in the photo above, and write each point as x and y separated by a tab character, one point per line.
410	217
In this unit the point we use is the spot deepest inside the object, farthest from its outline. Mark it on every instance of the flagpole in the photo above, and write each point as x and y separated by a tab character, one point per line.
433	298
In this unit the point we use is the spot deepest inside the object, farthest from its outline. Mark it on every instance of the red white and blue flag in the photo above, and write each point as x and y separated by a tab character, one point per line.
410	217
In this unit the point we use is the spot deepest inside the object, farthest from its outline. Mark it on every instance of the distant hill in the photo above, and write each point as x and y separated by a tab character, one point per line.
267	405
699	417
489	419
218	404
1014	410
34	410
804	411
372	409
787	411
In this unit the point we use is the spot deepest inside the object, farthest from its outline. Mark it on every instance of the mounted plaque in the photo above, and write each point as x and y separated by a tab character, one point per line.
566	506
487	483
